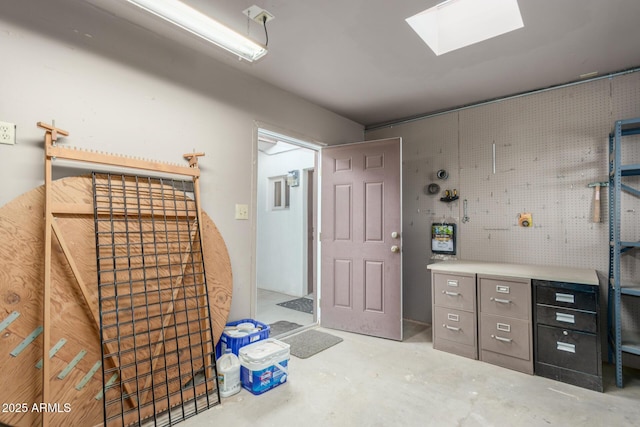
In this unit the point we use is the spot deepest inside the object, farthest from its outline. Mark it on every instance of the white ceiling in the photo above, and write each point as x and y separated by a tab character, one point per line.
360	59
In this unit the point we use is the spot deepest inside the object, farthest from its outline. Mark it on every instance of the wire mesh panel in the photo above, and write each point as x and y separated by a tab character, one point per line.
158	357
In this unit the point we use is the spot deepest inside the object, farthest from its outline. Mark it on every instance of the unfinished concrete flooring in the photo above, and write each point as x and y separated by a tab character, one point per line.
367	381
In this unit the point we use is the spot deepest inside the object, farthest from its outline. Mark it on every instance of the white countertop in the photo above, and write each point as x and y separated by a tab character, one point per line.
540	272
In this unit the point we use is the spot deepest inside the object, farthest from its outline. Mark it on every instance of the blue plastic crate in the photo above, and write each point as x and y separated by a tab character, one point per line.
236	343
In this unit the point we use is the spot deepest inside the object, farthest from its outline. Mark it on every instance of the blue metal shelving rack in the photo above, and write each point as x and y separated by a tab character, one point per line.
630	343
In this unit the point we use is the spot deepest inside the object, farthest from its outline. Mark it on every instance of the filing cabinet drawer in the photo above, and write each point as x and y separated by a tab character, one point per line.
551	293
505	335
564	348
454	291
454	325
505	297
566	318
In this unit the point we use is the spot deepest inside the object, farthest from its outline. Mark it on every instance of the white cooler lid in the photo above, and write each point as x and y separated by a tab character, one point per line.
263	350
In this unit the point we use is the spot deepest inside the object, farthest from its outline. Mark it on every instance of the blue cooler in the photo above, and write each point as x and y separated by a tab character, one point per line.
264	365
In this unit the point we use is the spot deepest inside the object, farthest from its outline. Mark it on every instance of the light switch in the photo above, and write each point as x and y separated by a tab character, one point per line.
242	211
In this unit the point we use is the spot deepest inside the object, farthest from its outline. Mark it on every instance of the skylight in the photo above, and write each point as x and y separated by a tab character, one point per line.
455	24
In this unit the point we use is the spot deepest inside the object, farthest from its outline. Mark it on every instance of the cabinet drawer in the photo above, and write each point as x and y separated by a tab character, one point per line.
547	293
504	335
566	318
567	349
505	298
454	325
454	291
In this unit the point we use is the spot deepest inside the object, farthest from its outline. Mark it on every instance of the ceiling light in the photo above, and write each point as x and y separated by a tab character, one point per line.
201	25
458	23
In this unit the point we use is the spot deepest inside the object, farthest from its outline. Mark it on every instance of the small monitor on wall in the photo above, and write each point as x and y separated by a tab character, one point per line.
443	238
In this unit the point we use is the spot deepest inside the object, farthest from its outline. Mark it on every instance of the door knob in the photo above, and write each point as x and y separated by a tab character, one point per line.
394	235
395	249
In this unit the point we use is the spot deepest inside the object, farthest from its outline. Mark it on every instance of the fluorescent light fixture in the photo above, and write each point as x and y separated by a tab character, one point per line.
455	24
195	22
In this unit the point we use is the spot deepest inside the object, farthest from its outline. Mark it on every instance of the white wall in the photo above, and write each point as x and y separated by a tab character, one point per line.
120	89
282	234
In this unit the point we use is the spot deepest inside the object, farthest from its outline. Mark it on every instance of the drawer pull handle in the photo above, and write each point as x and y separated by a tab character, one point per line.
565	298
451	328
501	338
566	318
502	289
500	300
451	294
563	346
452	283
453	317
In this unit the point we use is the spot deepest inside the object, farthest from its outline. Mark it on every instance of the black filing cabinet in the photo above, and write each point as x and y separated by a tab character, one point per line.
567	333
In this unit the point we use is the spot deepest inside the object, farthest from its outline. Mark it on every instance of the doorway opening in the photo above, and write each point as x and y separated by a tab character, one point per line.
286	238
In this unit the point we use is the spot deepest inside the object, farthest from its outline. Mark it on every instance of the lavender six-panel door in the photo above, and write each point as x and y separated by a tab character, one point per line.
361	287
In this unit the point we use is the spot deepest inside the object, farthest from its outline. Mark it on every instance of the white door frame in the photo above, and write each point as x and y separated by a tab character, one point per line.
301	141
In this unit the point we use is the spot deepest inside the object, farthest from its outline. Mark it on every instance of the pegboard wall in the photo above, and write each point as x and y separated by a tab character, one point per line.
421	161
548	147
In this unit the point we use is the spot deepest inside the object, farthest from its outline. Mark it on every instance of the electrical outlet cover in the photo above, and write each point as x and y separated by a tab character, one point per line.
7	133
242	211
257	14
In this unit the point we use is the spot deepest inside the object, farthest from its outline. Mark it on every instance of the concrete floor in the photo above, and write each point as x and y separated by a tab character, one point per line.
367	381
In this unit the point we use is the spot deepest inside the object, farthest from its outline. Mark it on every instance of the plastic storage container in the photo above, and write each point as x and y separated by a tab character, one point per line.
264	365
240	333
228	374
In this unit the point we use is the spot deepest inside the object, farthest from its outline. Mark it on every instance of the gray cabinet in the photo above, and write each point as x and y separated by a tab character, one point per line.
505	322
567	338
513	316
454	314
488	318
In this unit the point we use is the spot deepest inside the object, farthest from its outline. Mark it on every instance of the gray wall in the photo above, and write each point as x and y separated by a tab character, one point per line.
120	89
549	147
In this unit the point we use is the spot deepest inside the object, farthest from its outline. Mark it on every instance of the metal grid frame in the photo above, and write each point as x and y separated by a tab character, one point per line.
155	324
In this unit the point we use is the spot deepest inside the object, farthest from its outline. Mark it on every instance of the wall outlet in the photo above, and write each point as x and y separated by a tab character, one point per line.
7	133
242	211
